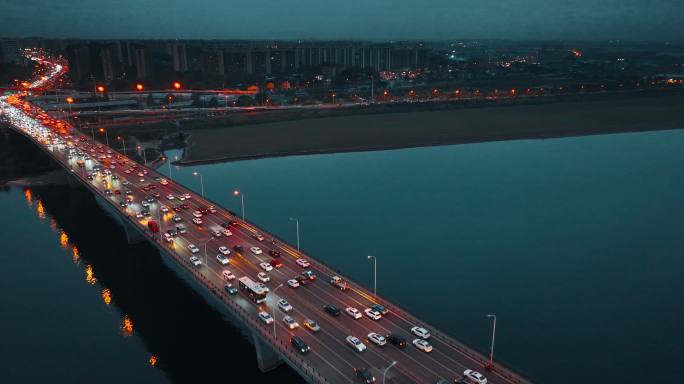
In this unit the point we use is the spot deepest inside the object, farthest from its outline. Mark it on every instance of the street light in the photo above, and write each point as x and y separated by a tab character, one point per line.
100	88
139	87
491	351
206	256
143	153
242	199
124	143
375	275
273	310
102	130
176	85
201	181
296	221
387	369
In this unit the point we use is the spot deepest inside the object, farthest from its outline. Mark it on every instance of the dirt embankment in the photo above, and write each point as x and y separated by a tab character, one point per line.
441	127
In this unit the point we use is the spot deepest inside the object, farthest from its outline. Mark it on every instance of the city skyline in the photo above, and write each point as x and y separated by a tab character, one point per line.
380	20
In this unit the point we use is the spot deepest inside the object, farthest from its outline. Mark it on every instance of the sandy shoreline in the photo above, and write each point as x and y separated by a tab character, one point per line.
415	129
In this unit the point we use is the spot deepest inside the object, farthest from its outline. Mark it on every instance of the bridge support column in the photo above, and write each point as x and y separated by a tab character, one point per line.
267	358
71	180
133	236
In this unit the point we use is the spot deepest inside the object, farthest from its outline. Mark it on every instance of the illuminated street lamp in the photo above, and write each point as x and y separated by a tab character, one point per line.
201	181
70	100
102	130
176	85
139	87
143	153
100	88
242	200
333	97
124	142
375	275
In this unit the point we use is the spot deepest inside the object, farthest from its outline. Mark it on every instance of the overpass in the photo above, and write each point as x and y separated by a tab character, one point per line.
136	196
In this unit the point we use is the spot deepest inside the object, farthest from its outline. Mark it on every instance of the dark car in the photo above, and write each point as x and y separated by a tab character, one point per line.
379	308
396	340
177	208
275	253
185	206
364	375
202	210
172	232
233	223
333	310
238	248
302	280
299	344
230	289
225	224
276	263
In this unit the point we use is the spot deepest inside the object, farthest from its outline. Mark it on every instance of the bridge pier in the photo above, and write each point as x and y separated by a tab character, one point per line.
267	358
133	235
72	182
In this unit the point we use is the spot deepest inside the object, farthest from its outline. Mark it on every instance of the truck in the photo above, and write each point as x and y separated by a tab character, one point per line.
153	226
339	283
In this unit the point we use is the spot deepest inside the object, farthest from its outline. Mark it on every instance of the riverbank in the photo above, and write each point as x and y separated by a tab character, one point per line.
441	127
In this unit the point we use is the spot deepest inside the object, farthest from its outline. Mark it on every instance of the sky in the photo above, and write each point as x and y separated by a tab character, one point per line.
346	19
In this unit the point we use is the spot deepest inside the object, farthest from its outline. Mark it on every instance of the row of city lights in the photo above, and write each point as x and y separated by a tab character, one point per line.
138	87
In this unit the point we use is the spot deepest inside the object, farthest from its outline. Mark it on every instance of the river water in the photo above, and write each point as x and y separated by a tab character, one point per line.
575	244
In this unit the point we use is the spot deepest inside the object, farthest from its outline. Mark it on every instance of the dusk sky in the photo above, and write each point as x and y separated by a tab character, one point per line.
351	19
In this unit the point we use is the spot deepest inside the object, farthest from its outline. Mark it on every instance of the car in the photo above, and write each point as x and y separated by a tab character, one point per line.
263	277
475	376
185	206
222	259
212	209
177	219
284	305
202	210
372	314
230	289
356	343
216	233
227	232
421	332
299	344
396	340
177	208
264	287
181	198
181	228
187	195
194	260
377	339
108	192
156	195
266	267
364	375
163	182
256	250
224	250
353	312
303	263
172	232
139	215
423	345
265	317
197	220
168	238
293	283
379	308
193	248
309	275
276	263
225	224
258	236
238	248
170	196
117	192
302	280
197	214
227	275
290	322
331	309
233	223
164	208
312	325
275	253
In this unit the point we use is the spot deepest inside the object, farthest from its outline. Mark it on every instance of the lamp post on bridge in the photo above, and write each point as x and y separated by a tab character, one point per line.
296	221
273	310
102	130
387	369
491	351
201	181
242	200
124	143
375	275
206	255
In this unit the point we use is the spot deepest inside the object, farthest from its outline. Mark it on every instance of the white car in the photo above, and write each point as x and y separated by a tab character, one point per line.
475	376
373	314
195	261
187	195
353	312
197	220
170	196
421	332
303	263
224	250
263	277
164	208
265	317
197	214
290	322
284	305
177	219
293	283
222	259
216	233
227	275
212	209
168	238
264	287
423	345
356	343
181	198
193	248
256	250
163	182
266	267
258	236
377	339
227	232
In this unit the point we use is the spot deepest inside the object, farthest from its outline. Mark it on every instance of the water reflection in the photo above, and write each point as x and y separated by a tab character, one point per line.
127	326
106	296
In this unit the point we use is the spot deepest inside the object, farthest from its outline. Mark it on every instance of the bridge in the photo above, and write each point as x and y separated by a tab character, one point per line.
150	208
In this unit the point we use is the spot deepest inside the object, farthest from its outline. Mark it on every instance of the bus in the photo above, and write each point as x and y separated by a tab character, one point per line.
252	289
